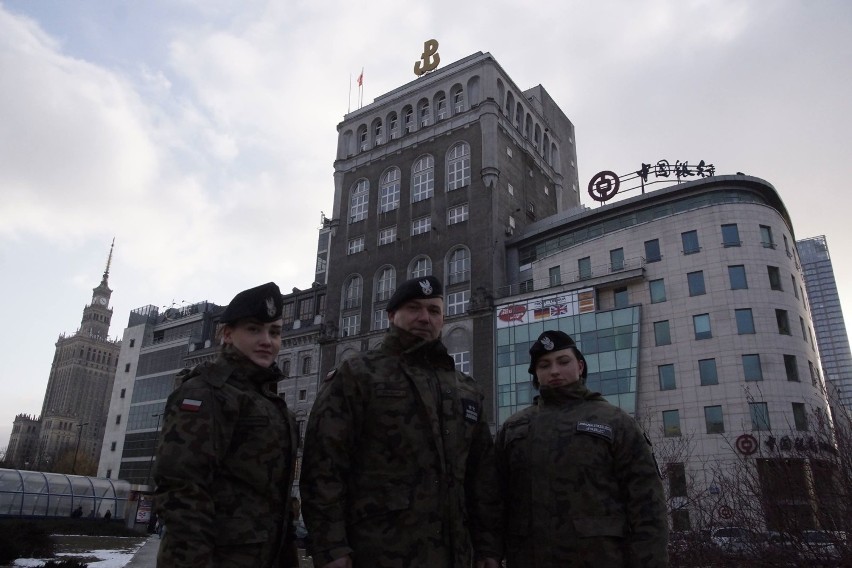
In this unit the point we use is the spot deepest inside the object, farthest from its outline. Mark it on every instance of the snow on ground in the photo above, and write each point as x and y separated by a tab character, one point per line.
106	558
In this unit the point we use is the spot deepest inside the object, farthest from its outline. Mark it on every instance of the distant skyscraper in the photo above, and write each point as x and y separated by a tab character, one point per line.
75	404
827	315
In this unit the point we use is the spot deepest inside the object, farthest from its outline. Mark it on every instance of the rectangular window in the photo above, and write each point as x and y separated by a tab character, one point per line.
745	321
671	423
759	416
127	367
462	361
667	377
658	290
380	319
288	313
812	372
652	251
118	418
387	236
508	152
355	245
795	290
123	393
737	276
690	242
306	309
420	226
510	188
458	214
350	325
555	276
791	366
303	394
457	302
616	259
774	278
730	235
584	267
701	325
802	324
751	368
800	417
112	447
662	335
707	372
620	299
783	322
132	342
713	420
766	237
695	281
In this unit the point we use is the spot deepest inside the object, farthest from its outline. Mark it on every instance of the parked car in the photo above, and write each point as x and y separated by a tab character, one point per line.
820	545
735	539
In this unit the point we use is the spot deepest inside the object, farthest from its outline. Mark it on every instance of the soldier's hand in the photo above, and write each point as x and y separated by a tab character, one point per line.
487	563
346	562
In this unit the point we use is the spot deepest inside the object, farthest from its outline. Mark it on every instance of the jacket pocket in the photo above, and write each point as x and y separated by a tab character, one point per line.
376	502
587	527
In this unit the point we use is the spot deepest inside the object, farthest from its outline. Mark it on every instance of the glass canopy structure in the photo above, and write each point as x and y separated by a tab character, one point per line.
38	494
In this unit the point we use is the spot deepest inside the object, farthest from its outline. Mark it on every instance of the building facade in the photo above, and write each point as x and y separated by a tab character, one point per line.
689	307
829	325
155	347
432	178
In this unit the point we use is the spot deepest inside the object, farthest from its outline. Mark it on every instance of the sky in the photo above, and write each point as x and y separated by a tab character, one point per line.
201	134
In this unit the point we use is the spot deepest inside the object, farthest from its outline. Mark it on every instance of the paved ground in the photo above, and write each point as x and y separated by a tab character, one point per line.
146	557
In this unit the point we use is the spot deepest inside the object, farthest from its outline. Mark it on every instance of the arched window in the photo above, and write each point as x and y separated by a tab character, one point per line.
423	179
423	113
389	190
385	283
510	104
441	106
393	126
408	119
519	116
359	195
352	292
362	138
458	166
378	132
458	101
419	267
458	266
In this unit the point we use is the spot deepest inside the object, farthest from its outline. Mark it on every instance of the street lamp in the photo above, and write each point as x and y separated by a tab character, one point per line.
154	446
79	431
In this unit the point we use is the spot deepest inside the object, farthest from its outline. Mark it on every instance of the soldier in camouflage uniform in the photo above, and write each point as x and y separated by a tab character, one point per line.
226	456
398	469
579	480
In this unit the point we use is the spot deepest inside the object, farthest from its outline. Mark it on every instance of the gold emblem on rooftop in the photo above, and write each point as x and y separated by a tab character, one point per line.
430	58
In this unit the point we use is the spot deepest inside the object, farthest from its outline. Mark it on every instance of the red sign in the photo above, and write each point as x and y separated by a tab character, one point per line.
746	444
512	313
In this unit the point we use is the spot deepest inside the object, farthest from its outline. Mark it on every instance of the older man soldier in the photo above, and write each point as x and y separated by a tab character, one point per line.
398	468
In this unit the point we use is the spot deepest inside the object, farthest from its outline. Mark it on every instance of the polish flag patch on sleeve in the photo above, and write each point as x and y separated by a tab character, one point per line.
190	404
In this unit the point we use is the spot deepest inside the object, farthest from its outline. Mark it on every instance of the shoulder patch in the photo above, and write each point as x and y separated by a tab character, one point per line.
190	405
601	430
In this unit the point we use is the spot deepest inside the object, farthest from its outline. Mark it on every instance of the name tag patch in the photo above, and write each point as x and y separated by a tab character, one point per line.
471	410
602	430
383	391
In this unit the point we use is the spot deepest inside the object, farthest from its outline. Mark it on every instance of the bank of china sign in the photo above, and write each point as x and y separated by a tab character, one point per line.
547	307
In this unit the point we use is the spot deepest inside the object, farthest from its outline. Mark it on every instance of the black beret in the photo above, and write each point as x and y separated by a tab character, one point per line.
415	289
263	303
553	340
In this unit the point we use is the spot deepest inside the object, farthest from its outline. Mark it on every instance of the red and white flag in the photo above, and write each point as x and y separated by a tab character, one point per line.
361	78
191	405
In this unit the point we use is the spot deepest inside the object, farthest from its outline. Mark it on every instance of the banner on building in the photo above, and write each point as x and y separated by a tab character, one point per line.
547	307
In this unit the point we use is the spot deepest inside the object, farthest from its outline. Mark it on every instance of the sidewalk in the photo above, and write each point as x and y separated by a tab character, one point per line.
146	557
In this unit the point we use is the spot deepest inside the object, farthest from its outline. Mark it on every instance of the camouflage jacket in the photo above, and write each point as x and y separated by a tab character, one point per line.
398	468
224	467
581	485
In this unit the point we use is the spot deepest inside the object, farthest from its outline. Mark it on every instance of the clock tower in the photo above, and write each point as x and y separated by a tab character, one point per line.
74	411
97	315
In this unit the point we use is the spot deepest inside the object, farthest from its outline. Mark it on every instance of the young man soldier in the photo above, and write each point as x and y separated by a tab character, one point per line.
398	468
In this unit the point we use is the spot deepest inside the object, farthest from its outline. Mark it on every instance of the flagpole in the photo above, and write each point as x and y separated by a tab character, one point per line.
349	104
361	89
